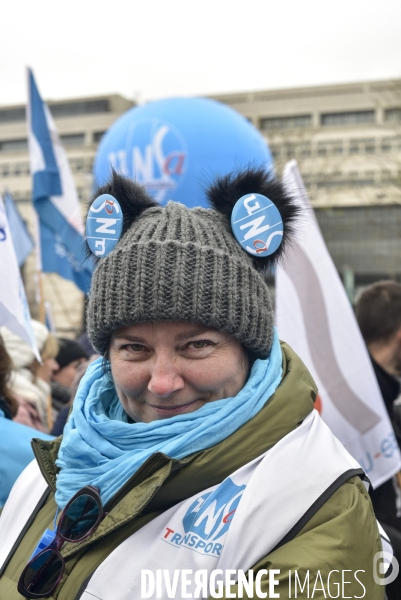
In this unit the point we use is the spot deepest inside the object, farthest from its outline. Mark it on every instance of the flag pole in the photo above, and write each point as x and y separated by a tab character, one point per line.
39	273
42	317
41	302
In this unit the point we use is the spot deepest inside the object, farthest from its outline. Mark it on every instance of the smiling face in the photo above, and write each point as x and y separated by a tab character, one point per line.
169	368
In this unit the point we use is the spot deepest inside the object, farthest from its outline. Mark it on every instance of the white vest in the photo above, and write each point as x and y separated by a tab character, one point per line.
232	525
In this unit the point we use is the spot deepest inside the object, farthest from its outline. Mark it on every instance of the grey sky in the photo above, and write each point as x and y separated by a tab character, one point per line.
156	48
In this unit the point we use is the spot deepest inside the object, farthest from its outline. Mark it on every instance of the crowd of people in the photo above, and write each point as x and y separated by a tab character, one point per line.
37	395
191	416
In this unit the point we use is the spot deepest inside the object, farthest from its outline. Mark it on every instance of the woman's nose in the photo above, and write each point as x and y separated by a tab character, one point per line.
165	378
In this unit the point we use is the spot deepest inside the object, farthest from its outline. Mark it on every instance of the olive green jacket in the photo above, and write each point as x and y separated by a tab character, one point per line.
340	539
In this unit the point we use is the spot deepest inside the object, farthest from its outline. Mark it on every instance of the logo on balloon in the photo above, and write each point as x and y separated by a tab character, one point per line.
157	159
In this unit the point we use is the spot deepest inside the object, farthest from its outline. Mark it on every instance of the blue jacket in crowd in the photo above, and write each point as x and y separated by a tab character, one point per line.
15	452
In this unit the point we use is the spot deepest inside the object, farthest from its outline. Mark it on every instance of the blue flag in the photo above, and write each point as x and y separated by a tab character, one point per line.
55	197
22	241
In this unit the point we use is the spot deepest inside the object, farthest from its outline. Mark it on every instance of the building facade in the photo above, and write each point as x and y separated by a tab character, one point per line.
347	142
346	139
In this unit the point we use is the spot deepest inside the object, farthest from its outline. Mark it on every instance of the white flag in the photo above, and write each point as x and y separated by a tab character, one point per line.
315	317
14	310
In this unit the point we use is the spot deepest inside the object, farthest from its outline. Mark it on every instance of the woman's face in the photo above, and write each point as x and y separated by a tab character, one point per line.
171	368
47	369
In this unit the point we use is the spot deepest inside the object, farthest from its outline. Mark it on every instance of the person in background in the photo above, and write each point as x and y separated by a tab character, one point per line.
15	439
30	380
378	312
62	416
83	341
70	356
8	404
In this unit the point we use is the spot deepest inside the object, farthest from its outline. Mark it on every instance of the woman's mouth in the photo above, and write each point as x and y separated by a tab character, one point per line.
175	410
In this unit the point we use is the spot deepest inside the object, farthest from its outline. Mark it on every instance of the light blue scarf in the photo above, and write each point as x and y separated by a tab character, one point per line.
102	449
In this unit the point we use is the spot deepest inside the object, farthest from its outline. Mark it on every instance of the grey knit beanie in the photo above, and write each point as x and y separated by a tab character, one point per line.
173	263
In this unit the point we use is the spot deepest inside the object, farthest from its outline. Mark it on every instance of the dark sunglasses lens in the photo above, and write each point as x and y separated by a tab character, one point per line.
79	518
42	575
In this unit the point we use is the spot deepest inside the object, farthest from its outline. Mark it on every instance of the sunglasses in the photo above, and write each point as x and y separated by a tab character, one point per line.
79	519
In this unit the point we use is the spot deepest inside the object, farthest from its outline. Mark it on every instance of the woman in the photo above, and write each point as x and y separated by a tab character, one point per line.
30	380
8	403
15	440
196	428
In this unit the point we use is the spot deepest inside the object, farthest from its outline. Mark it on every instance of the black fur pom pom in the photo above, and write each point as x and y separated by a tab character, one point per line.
131	196
225	192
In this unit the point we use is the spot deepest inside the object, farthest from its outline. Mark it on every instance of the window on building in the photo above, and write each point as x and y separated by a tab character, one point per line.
77	164
337	148
305	149
361	180
20	169
82	107
329	147
9	115
354	147
330	180
388	177
290	151
348	118
22	197
368	178
363	146
97	136
290	122
367	238
369	145
275	150
386	144
4	170
13	145
393	115
73	139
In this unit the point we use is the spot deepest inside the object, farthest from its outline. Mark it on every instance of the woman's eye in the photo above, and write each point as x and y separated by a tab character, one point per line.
199	344
137	347
133	347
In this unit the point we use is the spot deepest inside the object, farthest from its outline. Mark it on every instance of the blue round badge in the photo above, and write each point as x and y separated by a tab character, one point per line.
104	225
257	225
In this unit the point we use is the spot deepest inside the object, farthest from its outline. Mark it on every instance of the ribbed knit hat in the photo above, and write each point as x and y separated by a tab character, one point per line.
179	264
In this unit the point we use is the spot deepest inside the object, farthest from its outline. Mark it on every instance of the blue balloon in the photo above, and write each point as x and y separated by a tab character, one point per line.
176	147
